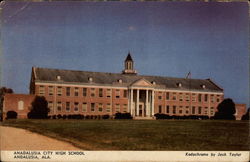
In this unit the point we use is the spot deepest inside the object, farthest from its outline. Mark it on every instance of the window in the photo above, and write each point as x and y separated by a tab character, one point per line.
108	92
187	97
100	92
92	106
20	105
159	95
76	106
84	92
108	107
92	92
125	93
59	106
212	98
218	98
174	96
193	97
125	107
193	110
174	109
160	108
59	91
51	90
117	107
100	106
180	110
167	95
117	93
211	111
206	97
76	91
205	111
181	97
187	111
41	90
68	106
67	91
167	109
199	110
199	97
84	107
50	106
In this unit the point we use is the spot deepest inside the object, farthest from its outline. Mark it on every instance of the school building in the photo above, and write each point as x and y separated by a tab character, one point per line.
100	93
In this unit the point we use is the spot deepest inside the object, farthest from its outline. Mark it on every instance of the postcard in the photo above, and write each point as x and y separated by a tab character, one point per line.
124	81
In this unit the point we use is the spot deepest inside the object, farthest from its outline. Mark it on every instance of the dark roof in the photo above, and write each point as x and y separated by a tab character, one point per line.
69	76
129	58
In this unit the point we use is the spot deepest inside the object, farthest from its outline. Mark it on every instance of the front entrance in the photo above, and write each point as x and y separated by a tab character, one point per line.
140	109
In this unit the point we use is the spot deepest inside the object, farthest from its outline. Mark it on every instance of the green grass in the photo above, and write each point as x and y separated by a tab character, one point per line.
176	135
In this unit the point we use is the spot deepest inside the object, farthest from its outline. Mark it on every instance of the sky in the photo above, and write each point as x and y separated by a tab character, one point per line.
164	39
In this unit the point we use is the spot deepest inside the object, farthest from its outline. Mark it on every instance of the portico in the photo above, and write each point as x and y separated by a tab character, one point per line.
141	99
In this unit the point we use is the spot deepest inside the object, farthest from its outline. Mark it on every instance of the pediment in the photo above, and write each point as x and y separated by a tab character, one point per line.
142	82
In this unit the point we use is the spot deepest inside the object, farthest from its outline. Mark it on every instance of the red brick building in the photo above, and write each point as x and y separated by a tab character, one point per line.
98	93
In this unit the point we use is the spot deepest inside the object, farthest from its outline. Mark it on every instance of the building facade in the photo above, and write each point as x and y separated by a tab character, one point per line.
98	93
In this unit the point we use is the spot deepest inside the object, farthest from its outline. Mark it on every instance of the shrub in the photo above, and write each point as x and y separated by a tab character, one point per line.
54	117
11	115
163	116
123	116
246	116
87	117
59	116
64	116
105	116
226	110
39	109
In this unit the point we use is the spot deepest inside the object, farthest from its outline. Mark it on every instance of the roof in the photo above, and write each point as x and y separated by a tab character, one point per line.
129	58
82	77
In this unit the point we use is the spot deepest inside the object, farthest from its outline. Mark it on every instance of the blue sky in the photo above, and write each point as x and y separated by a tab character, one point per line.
164	38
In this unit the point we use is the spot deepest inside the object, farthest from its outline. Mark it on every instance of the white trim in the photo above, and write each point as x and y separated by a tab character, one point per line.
133	87
81	85
192	91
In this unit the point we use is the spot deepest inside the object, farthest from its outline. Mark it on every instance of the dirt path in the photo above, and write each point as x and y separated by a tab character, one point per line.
21	139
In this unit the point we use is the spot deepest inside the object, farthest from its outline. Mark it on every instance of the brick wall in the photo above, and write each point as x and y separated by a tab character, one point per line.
19	103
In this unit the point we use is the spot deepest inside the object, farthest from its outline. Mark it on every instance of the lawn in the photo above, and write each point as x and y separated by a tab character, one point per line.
175	135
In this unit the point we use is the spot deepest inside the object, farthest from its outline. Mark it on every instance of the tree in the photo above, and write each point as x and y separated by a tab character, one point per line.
246	116
39	108
3	91
226	110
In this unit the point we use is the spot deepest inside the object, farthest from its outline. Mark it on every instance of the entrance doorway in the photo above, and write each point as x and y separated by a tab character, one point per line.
140	109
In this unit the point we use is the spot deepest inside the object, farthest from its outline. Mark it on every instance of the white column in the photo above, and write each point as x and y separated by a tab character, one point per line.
137	103
131	102
147	108
153	102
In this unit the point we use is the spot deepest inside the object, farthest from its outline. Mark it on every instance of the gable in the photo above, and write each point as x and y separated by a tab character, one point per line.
141	82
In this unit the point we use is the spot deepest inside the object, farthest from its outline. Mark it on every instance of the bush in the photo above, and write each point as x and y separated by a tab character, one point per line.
64	116
54	117
39	109
11	115
59	116
123	116
105	116
163	116
226	110
246	116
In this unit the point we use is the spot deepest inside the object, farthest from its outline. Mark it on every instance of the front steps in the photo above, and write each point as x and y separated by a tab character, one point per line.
143	118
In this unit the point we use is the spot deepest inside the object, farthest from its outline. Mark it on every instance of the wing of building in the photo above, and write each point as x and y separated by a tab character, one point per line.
99	93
